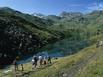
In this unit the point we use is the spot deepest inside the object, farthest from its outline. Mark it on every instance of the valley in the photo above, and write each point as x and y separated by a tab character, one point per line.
69	38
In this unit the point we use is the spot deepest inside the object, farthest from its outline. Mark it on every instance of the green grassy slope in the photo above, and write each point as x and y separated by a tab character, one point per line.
94	68
87	60
60	65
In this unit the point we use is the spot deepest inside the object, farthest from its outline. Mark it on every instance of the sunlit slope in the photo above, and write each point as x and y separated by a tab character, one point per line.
86	63
94	68
88	60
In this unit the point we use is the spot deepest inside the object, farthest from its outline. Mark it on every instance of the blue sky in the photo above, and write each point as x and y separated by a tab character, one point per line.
53	6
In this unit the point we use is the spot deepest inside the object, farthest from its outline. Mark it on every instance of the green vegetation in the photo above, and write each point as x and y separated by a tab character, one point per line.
23	35
88	57
20	37
94	68
59	66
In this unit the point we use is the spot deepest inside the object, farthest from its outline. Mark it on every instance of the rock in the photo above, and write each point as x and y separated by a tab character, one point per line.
7	71
64	75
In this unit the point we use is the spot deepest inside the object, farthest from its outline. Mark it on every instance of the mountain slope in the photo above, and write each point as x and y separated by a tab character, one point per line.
70	66
30	18
24	34
74	65
20	37
94	68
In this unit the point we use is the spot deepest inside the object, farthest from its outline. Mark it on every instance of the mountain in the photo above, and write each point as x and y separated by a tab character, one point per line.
38	15
70	14
72	34
53	18
31	18
20	37
88	24
23	34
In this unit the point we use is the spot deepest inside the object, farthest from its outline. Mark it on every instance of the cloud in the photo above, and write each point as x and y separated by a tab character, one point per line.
85	8
75	5
95	6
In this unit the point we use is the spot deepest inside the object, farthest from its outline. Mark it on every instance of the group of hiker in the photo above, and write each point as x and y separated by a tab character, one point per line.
40	60
36	61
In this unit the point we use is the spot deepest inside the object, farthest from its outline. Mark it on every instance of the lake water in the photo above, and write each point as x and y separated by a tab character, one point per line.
59	49
44	53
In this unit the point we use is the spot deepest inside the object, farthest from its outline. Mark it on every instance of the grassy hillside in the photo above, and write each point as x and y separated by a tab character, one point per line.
59	66
86	25
94	68
86	63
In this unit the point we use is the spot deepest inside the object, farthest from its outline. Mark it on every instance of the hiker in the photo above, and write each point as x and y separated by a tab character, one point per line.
45	60
34	60
15	64
40	60
49	60
22	67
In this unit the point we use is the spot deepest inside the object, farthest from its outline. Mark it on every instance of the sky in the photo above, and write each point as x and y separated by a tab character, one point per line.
54	7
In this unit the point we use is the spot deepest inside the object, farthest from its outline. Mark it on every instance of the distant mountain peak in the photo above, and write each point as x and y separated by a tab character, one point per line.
97	12
67	14
38	15
5	8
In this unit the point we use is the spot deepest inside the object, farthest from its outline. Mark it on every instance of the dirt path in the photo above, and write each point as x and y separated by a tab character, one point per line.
78	66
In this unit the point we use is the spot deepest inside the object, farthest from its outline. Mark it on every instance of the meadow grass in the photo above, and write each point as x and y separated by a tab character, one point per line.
63	64
94	68
58	66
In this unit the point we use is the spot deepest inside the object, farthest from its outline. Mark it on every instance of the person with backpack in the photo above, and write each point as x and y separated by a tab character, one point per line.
15	65
35	61
49	60
22	67
40	60
45	60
